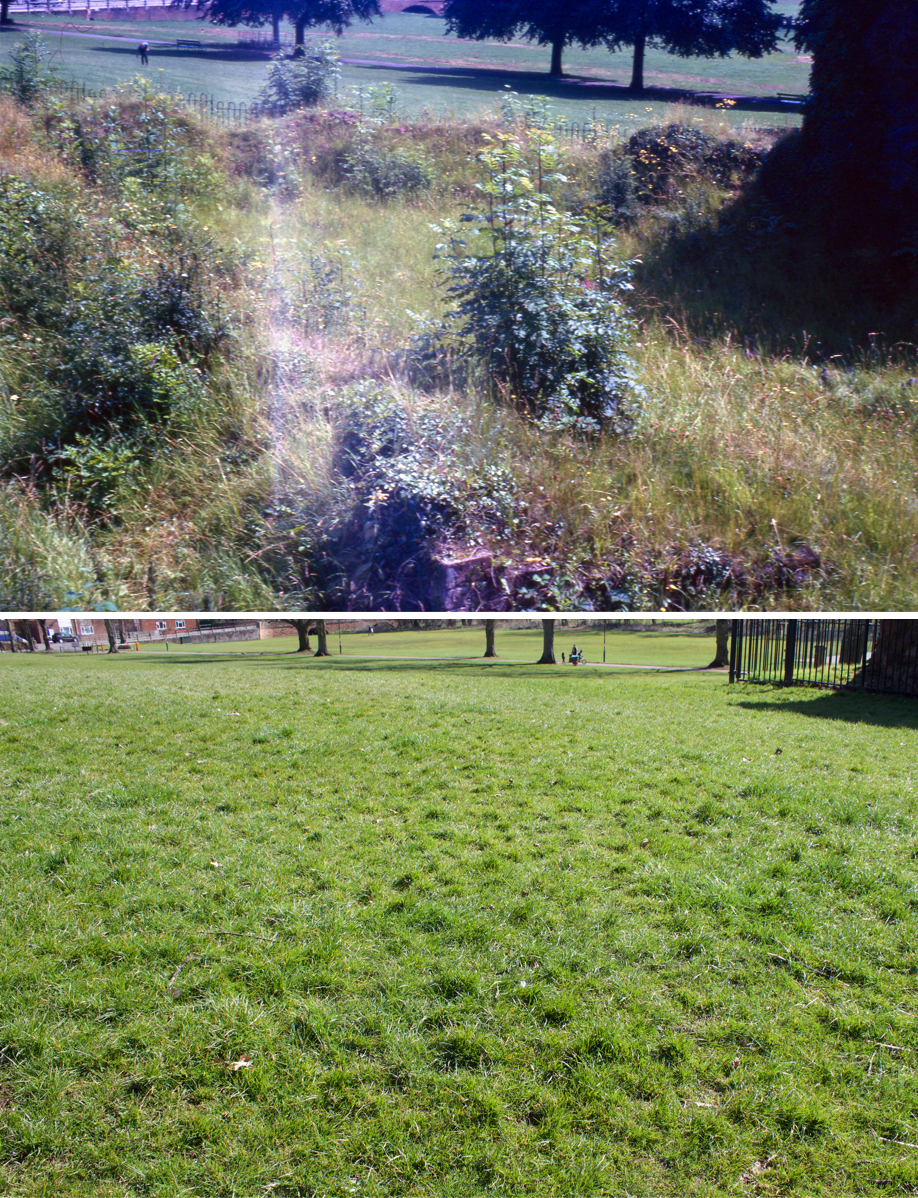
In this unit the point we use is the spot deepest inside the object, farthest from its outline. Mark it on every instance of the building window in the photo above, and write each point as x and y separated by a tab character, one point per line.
179	624
86	630
160	625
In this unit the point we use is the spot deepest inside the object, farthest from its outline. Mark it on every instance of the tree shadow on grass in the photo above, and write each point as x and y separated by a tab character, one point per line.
468	667
495	80
211	54
852	707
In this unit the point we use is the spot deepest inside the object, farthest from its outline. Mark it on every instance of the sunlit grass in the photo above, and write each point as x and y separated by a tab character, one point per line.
275	925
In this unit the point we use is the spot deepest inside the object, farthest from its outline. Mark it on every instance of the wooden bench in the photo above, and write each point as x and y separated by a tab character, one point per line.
189	45
792	97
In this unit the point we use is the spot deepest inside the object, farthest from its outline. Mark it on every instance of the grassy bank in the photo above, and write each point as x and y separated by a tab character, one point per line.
258	297
306	927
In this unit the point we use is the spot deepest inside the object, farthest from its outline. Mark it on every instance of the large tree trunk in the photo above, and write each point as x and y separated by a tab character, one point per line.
275	27
302	635
636	87
557	50
490	651
5	12
12	632
43	629
548	644
322	650
722	645
110	633
893	664
27	633
299	32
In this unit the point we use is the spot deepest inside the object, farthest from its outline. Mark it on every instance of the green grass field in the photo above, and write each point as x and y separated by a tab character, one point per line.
662	647
479	71
280	926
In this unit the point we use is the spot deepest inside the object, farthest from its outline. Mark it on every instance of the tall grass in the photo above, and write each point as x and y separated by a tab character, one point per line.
745	453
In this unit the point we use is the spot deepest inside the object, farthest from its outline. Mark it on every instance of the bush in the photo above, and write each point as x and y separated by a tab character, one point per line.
42	236
617	190
661	157
377	172
135	346
303	82
537	296
29	77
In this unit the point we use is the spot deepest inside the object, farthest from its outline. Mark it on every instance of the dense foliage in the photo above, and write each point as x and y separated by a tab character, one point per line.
536	294
688	28
376	171
305	14
303	82
856	160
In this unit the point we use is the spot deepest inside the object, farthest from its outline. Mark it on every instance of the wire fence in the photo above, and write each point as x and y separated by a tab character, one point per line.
357	100
871	655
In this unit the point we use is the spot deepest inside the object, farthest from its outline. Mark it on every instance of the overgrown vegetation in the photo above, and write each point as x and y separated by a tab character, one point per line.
194	319
413	929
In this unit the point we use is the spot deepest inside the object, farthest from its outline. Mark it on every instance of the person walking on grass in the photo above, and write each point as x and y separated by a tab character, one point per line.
144	51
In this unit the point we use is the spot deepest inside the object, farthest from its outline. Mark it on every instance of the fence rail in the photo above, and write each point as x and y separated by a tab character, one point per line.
870	655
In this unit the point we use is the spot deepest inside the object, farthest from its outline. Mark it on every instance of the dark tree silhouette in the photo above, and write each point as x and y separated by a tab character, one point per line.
249	12
545	22
722	645
857	155
690	29
336	15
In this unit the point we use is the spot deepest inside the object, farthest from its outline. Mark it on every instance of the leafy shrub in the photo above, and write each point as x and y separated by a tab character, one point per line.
393	453
537	296
135	350
662	156
98	467
375	171
43	236
303	82
137	139
617	190
29	77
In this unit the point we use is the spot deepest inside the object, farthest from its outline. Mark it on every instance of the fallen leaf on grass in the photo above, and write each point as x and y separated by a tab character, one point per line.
243	1063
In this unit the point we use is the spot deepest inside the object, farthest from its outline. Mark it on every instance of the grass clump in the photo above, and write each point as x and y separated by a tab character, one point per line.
374	171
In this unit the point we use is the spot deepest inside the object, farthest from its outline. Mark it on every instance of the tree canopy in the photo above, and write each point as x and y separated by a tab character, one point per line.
853	168
691	29
249	12
688	28
545	22
336	15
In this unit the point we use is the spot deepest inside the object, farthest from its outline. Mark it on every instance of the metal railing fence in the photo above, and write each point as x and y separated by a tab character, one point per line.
874	655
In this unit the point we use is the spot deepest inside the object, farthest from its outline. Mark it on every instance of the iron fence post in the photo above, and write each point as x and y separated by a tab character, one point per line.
790	651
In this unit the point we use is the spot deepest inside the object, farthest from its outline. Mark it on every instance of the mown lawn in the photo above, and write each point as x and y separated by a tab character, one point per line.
478	71
664	646
295	927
